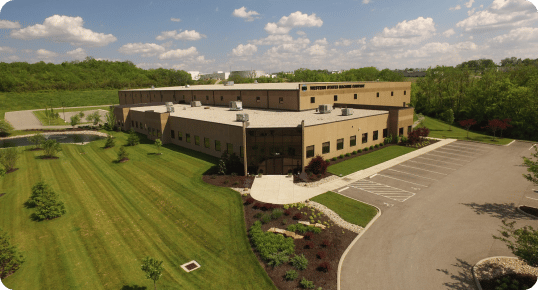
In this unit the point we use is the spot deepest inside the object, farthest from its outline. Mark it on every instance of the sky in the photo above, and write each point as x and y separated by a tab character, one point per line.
270	35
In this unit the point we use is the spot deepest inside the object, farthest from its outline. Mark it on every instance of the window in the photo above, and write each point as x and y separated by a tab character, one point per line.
376	135
385	132
207	142
378	94
335	98
404	104
183	97
194	97
364	138
221	98
291	151
159	134
405	92
281	100
132	122
391	94
309	151
409	128
258	99
241	152
217	145
352	140
304	88
340	144
326	147
230	148
136	124
355	96
188	138
400	133
207	98
172	134
312	100
196	140
239	98
179	136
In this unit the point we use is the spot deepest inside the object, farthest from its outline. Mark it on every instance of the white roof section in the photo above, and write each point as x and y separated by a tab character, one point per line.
235	87
260	118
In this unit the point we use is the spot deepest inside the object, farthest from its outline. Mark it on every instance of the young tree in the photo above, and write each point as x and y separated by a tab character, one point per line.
525	244
51	148
494	126
109	142
95	118
8	158
110	119
158	144
317	165
5	128
467	124
81	114
75	120
532	167
133	139
10	258
46	201
506	124
37	139
153	269
123	154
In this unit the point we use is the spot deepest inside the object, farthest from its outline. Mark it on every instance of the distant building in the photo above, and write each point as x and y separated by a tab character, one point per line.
219	75
195	75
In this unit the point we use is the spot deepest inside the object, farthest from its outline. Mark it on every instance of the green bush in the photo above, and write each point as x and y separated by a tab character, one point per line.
284	222
315	230
354	152
276	213
133	139
46	201
347	154
110	142
376	146
258	215
299	262
278	258
341	156
302	228
51	147
333	159
381	144
365	148
307	284
10	259
327	160
269	243
292	228
404	139
371	147
360	151
266	218
291	275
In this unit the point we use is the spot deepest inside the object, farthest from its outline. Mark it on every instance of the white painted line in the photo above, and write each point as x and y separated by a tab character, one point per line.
531	198
372	175
531	146
413	174
422	169
476	148
466	155
431	165
440	161
343	189
458	150
397	198
402	180
510	143
446	157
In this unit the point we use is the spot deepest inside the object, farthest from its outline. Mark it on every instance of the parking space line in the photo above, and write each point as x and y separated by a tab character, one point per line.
402	180
343	189
466	155
431	165
446	157
413	174
531	198
476	148
422	169
395	194
459	150
440	160
532	146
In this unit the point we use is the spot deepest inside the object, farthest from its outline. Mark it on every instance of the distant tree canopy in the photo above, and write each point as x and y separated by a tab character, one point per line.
84	75
361	74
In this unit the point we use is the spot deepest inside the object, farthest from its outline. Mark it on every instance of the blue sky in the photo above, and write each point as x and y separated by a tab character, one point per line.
269	35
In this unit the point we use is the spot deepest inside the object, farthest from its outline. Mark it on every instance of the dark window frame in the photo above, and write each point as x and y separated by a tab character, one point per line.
335	98
326	147
377	94
187	137
207	142
197	140
364	138
385	132
400	131
352	140
172	134
217	145
312	100
340	144
179	136
375	135
310	151
354	96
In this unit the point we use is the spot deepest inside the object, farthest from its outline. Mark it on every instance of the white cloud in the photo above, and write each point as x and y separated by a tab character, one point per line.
296	19
244	50
64	29
175	19
518	35
6	49
365	1
275	39
201	60
449	32
301	33
316	49
458	7
343	42
470	12
179	53
247	15
321	41
502	14
6	24
405	33
185	35
43	53
437	49
146	49
469	4
78	53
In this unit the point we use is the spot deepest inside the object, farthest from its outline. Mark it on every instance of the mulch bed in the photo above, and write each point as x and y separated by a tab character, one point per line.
35	149
48	157
311	178
229	180
339	240
530	210
525	281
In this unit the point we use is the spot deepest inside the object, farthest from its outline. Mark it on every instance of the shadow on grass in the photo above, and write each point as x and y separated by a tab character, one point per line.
497	210
46	157
133	287
463	280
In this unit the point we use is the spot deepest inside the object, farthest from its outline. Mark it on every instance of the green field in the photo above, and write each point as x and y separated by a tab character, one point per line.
117	214
60	121
40	115
348	209
368	160
439	129
40	100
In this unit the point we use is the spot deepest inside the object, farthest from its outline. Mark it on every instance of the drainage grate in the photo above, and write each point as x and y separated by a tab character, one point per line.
190	266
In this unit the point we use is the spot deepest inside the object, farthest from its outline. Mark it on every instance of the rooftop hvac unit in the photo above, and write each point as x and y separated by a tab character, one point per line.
229	83
242	117
347	112
187	86
325	109
168	103
236	106
196	104
169	107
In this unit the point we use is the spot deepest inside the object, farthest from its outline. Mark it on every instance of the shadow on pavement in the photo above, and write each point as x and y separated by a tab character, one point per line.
498	210
463	280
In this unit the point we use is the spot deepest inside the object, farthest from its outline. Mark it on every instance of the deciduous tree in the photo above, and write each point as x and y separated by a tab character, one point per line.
467	125
158	144
153	269
5	128
51	148
532	167
8	158
37	139
10	258
525	245
75	120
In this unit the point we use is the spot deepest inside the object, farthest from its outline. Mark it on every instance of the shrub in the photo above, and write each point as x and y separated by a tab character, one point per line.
307	284
309	245
266	218
291	275
37	139
328	161
5	128
317	165
360	151
276	213
347	154
302	228
292	228
284	222
333	159
376	146
287	212
268	244
298	216
341	156
122	154
326	243
110	142
249	200
299	262
133	139
258	215
11	259
8	158
46	201
321	255
51	148
371	147
286	206
256	205
278	258
308	236
235	183
404	139
365	148
314	230
324	267
354	152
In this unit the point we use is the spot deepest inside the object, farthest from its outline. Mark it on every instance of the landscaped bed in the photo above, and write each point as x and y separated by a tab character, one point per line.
512	281
236	181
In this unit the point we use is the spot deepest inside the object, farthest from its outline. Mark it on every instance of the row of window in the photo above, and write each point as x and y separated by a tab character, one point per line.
313	99
326	147
207	142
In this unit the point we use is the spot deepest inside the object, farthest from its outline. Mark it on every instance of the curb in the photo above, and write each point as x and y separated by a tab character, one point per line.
480	262
478	142
355	240
527	214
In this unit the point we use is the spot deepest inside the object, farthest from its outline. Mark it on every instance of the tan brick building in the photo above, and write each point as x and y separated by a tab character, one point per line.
285	129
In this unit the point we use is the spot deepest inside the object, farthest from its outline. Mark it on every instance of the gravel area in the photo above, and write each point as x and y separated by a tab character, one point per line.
335	217
498	266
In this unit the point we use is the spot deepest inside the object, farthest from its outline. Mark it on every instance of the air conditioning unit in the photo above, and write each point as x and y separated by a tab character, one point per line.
325	109
187	86
229	83
196	104
347	112
169	107
236	105
242	117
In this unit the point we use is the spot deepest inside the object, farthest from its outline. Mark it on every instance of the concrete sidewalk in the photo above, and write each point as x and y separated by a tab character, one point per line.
280	189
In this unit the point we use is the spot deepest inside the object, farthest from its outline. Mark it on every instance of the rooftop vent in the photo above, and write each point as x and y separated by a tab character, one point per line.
236	106
152	87
196	104
229	83
325	109
187	86
242	117
347	112
169	107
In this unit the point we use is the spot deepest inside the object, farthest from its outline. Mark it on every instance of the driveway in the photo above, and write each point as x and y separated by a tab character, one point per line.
24	120
439	212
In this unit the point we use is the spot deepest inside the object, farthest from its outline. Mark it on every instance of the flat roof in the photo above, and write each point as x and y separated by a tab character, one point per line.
259	118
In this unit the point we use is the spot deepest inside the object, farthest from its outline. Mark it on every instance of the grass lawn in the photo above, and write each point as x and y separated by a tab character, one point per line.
46	122
119	213
350	210
40	100
60	121
439	129
368	160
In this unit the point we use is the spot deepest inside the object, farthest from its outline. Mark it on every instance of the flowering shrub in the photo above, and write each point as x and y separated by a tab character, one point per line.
287	212
309	245
317	165
298	216
324	267
321	255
